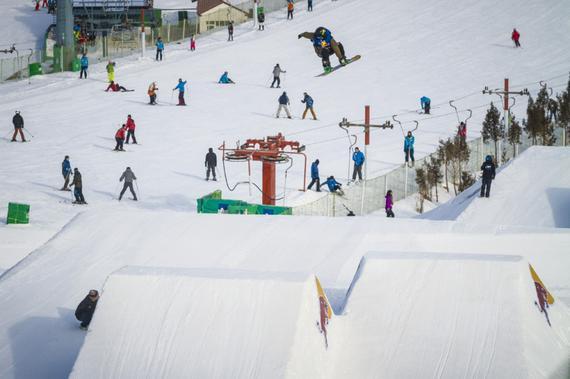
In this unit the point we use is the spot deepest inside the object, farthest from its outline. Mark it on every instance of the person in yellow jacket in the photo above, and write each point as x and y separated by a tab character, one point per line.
110	71
152	93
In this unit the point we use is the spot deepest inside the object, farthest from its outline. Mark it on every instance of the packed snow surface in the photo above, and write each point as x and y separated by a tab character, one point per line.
409	49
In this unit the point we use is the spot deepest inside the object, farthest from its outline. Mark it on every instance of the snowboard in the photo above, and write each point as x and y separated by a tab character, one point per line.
339	66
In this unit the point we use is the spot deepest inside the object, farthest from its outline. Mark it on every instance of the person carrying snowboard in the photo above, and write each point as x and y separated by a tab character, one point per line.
308	101
120	138
276	73
515	36
110	71
86	308
425	103
131	129
84	65
283	104
315	176
180	87
225	79
210	163
261	21
389	204
152	93
66	172
78	187
488	168
18	122
159	48
333	185
409	141
128	176
358	159
325	45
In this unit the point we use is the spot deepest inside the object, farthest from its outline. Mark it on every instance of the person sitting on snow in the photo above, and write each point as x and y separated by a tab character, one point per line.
225	79
115	87
86	308
333	185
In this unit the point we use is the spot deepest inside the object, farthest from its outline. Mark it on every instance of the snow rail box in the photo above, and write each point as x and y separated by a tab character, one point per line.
205	323
213	203
426	315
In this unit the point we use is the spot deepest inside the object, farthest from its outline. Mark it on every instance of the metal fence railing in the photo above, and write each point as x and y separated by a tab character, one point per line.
368	196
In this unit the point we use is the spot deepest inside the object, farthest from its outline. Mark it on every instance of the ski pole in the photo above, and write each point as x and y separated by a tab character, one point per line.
30	133
138	190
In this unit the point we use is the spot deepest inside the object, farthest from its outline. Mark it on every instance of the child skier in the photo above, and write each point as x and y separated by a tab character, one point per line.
192	43
152	93
110	71
389	204
210	163
515	36
425	103
86	308
159	48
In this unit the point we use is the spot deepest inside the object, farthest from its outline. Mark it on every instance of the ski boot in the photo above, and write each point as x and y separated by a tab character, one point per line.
328	69
343	61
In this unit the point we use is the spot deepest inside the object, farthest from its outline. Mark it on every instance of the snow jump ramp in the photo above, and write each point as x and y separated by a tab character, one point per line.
424	315
201	323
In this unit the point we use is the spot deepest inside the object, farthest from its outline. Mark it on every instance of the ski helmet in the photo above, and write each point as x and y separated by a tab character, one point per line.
320	31
488	158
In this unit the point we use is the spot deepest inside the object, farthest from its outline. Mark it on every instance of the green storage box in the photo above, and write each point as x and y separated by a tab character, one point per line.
35	69
18	213
76	65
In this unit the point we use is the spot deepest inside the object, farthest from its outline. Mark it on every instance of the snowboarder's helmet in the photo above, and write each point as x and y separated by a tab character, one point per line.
93	293
67	157
488	158
320	31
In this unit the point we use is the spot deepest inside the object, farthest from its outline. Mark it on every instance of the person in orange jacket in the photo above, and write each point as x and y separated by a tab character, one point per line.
290	9
120	138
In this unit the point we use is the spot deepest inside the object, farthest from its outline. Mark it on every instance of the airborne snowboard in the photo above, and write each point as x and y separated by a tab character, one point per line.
339	66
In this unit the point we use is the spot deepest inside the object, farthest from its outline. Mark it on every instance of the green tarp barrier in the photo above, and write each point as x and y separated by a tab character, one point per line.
213	203
18	213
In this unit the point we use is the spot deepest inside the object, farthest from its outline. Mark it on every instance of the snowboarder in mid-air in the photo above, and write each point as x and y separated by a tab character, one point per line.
86	308
325	45
488	168
210	163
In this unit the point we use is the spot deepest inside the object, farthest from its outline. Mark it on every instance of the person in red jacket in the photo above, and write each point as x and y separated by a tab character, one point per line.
115	87
131	129
120	138
515	37
462	130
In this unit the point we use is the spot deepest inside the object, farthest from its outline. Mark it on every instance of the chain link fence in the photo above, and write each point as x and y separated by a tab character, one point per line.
368	196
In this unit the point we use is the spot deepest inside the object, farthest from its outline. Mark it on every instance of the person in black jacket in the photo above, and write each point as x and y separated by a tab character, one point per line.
18	122
86	308
210	163
283	104
488	168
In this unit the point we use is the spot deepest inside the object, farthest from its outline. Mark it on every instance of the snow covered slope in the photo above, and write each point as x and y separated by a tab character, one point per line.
175	323
450	316
533	190
22	25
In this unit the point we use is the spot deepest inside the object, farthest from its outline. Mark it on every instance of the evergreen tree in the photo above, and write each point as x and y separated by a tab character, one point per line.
467	180
564	111
434	175
493	130
423	187
444	154
537	124
514	134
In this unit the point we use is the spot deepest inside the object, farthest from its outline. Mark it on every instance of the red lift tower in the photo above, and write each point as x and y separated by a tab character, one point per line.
269	151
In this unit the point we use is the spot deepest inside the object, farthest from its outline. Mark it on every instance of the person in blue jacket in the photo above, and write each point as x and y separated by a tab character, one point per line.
409	148
225	79
333	185
159	48
84	61
308	101
325	45
181	89
315	176
358	158
66	172
425	102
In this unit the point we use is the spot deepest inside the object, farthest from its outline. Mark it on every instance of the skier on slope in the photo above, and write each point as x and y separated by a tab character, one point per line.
333	185
358	159
409	141
86	308
78	190
210	163
181	88
66	172
152	93
120	138
128	176
389	204
110	71
542	296
277	71
325	45
283	104
315	176
225	79
488	168
515	36
308	101
131	129
18	122
425	103
261	20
